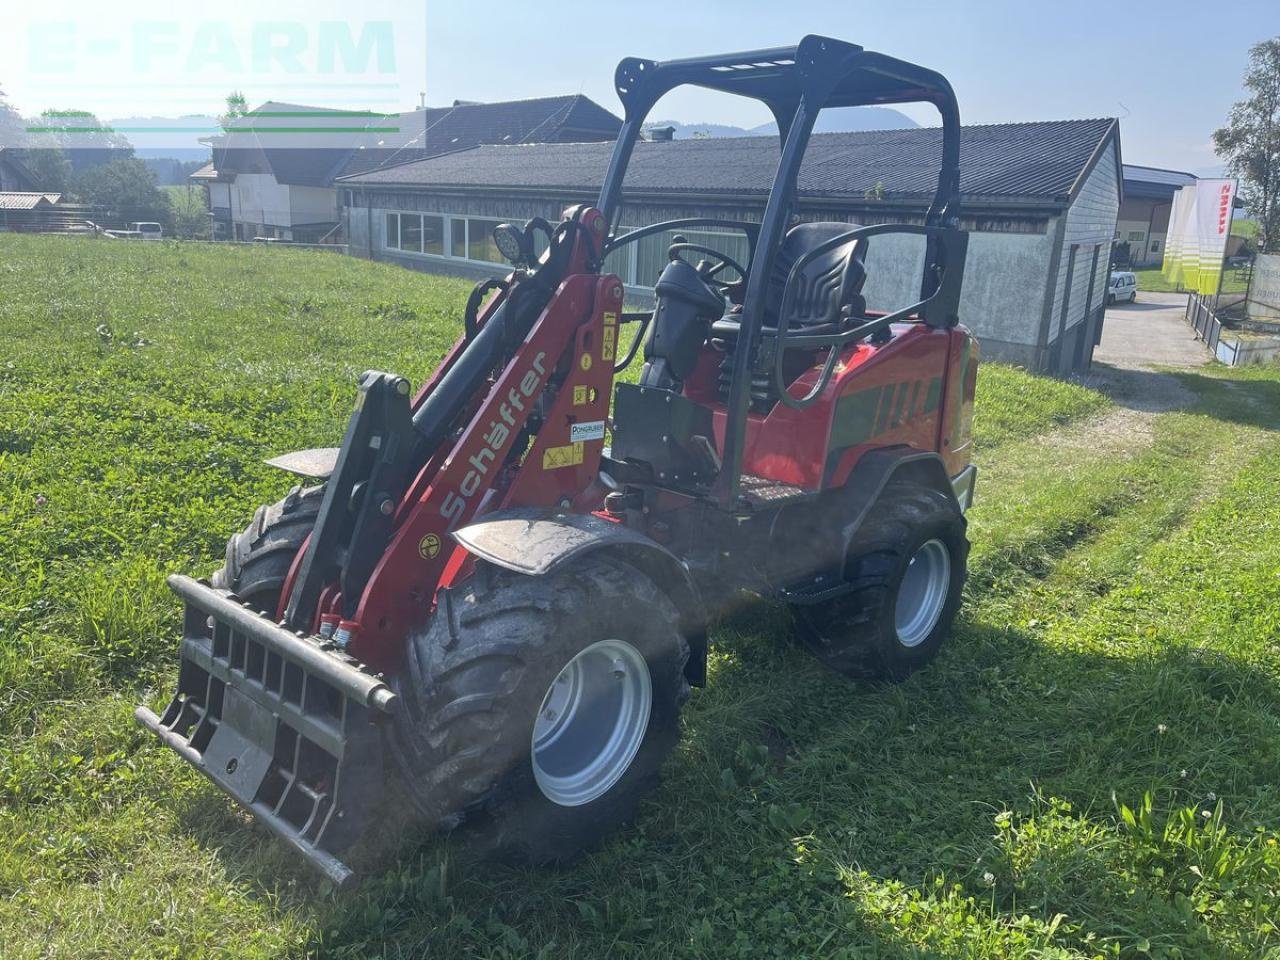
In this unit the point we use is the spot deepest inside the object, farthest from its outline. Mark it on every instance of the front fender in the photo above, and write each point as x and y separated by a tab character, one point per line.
536	541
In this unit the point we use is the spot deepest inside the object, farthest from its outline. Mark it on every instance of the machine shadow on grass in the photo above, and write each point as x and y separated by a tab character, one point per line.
905	783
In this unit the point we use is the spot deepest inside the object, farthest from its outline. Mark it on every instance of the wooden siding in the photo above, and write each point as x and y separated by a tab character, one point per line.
1090	225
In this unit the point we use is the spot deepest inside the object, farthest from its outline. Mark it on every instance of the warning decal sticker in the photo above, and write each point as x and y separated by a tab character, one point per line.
609	344
553	458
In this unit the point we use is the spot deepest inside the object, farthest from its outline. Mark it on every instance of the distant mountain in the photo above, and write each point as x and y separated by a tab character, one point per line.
836	120
176	137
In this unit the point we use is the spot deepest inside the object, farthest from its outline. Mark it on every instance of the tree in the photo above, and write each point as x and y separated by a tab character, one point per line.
237	107
189	212
85	139
13	130
51	168
126	188
1250	142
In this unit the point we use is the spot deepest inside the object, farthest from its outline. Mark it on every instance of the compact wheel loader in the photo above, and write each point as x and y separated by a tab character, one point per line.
499	586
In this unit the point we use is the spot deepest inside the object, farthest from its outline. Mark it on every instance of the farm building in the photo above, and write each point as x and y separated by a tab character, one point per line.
27	211
1040	200
1144	214
273	173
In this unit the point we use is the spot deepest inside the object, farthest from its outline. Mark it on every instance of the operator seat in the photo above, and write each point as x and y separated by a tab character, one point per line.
819	283
819	288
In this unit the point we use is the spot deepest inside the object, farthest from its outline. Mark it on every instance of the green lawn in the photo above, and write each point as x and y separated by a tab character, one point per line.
1092	768
1153	280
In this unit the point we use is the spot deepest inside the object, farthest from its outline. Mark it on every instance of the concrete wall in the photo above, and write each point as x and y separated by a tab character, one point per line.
1005	278
1264	288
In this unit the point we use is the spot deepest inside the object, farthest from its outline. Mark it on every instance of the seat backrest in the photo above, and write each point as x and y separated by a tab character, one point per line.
820	291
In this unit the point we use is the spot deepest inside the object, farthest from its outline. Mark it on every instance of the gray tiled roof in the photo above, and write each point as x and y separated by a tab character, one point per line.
1153	183
1027	162
1173	178
312	145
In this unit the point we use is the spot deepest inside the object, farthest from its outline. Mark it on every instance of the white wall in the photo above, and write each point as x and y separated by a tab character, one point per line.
312	204
1004	284
257	198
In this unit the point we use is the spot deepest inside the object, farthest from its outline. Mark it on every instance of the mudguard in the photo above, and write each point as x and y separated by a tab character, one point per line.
875	470
536	541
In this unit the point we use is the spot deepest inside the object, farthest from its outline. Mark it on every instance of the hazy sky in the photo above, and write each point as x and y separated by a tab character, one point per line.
1168	70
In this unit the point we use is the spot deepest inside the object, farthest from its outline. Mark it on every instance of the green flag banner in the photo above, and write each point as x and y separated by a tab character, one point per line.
1196	243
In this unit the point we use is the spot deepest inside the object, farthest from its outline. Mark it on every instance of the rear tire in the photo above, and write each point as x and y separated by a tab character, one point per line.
487	667
259	557
907	570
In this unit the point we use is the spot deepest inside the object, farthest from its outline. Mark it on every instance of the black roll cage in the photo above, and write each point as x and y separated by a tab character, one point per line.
795	83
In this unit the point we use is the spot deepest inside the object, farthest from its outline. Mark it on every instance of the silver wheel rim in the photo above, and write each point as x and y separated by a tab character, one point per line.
922	593
591	723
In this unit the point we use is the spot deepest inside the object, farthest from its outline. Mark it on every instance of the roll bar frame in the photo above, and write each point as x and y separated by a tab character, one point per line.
795	83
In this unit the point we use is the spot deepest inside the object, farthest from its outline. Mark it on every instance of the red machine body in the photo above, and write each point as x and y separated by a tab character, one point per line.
781	438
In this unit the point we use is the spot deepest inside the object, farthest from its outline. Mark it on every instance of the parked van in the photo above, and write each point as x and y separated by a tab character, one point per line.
1123	287
149	231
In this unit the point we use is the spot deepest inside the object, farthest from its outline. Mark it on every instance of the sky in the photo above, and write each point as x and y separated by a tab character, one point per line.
1169	71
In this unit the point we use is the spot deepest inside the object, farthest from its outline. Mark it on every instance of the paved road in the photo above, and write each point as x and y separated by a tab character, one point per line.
1150	332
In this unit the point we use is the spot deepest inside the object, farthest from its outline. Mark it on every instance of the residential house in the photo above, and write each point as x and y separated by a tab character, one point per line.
273	171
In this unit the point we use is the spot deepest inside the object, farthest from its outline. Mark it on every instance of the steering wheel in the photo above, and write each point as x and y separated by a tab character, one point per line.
708	275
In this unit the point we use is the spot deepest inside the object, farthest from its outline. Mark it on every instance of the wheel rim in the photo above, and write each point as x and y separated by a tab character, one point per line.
922	593
591	722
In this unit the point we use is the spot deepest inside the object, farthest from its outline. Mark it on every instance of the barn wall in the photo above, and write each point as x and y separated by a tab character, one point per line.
1006	274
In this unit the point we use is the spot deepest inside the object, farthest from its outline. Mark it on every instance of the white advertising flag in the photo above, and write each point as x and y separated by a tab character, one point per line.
1199	224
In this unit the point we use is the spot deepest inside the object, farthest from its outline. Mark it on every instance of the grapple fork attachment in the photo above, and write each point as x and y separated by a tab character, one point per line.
283	722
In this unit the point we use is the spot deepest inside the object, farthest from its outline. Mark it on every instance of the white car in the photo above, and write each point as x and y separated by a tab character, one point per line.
148	230
1123	287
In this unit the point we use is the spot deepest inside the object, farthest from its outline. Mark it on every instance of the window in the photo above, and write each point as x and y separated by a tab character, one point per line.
1155	246
480	244
457	237
433	234
416	233
1136	236
411	232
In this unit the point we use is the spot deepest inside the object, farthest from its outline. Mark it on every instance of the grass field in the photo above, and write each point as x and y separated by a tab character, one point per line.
1153	280
1092	768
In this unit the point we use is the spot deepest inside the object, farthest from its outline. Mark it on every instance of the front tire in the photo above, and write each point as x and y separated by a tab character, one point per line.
540	709
259	557
906	569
